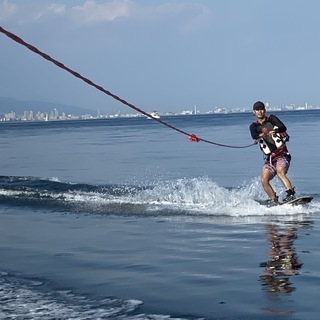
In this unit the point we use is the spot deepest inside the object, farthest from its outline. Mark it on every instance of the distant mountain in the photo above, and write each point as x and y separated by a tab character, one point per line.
19	106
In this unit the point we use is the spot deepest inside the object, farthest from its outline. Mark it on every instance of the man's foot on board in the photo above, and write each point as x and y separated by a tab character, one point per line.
290	195
272	202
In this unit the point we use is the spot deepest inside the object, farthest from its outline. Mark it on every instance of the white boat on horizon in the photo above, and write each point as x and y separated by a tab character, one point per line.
154	114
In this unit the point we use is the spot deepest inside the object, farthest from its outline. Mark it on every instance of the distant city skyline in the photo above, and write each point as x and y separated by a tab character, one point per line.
167	55
55	114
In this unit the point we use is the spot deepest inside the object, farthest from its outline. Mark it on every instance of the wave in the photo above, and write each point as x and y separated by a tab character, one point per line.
23	298
193	196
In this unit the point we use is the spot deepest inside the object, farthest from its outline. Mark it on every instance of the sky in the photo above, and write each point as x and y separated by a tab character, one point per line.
166	55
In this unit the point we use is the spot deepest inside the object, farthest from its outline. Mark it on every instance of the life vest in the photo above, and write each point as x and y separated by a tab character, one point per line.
278	140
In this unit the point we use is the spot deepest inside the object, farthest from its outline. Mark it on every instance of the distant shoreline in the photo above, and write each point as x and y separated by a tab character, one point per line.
138	115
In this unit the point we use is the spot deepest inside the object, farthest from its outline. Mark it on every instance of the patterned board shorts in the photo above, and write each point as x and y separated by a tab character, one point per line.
272	163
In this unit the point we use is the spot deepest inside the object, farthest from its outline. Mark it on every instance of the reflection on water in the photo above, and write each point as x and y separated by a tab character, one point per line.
283	260
282	266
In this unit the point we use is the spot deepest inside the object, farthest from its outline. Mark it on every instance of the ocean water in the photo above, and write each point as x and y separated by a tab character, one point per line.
127	219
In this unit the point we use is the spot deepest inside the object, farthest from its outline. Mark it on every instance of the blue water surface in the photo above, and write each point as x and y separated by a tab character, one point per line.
126	219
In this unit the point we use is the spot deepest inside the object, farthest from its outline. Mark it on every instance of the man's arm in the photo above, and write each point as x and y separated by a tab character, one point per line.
277	123
254	132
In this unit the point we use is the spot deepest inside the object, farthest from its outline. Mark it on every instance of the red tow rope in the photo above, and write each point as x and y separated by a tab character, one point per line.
191	137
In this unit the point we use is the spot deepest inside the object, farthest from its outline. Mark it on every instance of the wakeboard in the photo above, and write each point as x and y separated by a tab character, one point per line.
299	200
296	201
